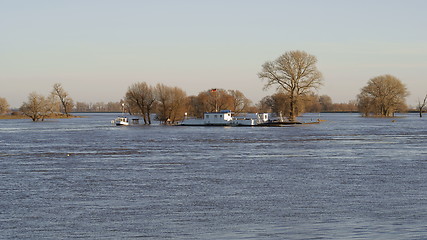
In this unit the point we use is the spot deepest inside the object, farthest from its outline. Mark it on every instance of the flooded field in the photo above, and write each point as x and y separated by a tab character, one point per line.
346	178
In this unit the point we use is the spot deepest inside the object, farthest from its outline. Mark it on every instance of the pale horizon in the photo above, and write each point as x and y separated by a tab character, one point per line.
97	49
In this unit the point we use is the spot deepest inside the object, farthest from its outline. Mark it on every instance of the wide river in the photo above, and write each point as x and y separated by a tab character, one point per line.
346	178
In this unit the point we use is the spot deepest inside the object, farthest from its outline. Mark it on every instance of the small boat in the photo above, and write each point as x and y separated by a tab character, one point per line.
121	121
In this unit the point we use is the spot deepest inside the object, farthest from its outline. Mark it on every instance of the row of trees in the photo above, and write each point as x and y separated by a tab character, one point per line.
143	99
279	103
294	74
171	104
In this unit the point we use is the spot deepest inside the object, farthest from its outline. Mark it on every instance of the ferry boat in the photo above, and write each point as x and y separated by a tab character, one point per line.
121	120
225	118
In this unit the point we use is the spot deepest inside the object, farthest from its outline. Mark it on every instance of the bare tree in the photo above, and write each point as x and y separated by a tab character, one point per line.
195	107
4	105
265	104
140	98
279	103
163	95
326	103
179	105
421	105
171	103
311	103
382	96
216	100
295	73
211	100
38	107
239	101
64	98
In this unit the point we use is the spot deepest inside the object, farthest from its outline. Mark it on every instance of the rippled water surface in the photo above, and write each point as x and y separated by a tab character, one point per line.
346	178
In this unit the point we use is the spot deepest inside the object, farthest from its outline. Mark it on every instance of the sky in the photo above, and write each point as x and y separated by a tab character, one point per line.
97	48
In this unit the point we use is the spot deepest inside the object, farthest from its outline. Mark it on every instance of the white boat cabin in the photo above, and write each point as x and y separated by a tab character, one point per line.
122	121
218	118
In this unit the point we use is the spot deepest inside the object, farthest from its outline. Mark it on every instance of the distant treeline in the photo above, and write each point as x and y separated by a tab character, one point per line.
98	107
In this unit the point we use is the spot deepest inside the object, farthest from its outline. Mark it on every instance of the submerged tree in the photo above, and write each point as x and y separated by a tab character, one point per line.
66	101
171	103
382	96
295	73
4	105
140	98
38	107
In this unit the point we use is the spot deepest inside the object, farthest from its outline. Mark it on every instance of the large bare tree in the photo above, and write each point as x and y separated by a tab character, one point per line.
4	105
38	107
140	98
382	96
172	102
66	101
295	73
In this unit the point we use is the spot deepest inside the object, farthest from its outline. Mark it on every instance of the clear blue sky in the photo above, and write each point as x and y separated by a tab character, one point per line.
97	48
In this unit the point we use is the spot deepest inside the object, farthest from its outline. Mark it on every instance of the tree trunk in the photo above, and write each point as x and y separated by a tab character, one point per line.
148	116
292	107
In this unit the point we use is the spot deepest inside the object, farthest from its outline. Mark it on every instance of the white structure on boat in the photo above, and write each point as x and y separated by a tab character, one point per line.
225	118
125	121
119	121
221	118
250	119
